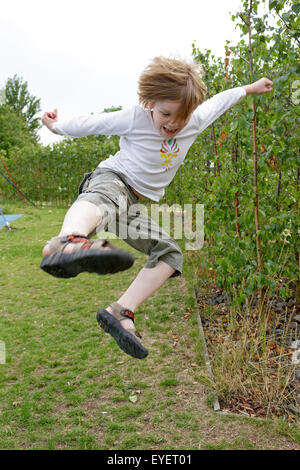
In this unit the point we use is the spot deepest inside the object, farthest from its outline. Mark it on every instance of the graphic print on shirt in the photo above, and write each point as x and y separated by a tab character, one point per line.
169	149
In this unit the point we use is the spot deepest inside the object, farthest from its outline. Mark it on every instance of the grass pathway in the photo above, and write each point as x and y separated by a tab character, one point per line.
66	384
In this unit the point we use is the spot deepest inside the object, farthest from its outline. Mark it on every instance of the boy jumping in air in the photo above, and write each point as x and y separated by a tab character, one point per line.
155	137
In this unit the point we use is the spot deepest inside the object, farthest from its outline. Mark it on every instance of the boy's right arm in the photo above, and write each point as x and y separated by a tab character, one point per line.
49	119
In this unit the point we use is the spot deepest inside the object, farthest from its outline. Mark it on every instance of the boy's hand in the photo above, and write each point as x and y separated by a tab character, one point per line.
264	85
49	119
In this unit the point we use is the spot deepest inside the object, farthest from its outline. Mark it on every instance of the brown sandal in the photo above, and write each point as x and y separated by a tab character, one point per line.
128	340
93	256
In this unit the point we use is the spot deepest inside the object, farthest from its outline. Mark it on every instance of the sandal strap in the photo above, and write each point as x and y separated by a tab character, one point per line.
58	244
87	243
120	313
127	313
135	332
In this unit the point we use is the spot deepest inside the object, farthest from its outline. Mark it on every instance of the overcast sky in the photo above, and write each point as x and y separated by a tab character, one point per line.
83	56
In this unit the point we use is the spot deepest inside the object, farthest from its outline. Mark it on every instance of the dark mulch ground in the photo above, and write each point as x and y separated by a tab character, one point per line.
282	335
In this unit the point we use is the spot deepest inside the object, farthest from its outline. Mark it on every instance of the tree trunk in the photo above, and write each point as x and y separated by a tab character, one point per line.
278	192
213	138
236	196
263	290
215	149
256	213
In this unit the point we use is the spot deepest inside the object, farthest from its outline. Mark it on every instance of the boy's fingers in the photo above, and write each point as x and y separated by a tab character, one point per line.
50	114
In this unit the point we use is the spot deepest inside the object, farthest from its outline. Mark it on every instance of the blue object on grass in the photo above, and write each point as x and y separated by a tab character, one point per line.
5	219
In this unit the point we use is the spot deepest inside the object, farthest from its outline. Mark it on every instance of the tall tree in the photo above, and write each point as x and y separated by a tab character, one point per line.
17	96
13	129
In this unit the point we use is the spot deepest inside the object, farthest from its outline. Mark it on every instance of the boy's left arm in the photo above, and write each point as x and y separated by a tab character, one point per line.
214	107
264	85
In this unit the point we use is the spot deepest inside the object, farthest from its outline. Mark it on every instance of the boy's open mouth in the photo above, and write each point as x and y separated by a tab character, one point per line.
170	131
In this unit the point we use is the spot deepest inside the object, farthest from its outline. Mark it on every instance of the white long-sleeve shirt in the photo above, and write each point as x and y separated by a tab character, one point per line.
146	160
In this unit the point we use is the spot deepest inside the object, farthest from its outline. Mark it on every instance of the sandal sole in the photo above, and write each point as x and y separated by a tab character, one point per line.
66	265
125	340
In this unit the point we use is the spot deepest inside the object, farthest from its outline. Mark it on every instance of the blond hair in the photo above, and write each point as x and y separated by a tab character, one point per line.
172	80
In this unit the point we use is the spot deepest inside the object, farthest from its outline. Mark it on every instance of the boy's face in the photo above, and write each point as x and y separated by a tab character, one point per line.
164	117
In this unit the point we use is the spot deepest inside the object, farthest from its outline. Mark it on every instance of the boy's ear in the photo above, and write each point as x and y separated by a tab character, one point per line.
150	104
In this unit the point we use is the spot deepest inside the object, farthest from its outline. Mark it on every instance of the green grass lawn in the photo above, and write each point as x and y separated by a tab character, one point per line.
65	384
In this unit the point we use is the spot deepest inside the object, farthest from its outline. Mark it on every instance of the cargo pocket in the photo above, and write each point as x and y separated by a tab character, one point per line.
86	179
